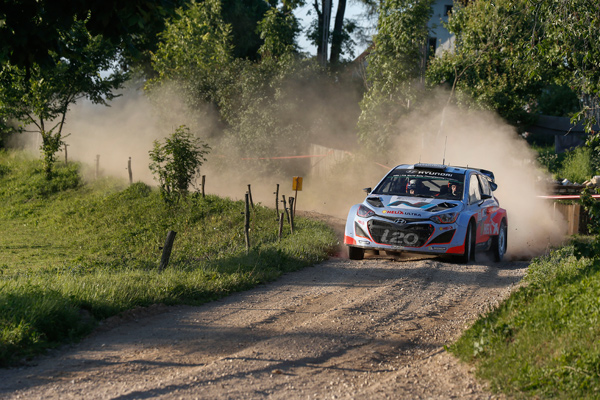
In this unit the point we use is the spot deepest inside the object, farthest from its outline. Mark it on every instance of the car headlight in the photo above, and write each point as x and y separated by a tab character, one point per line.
446	218
365	212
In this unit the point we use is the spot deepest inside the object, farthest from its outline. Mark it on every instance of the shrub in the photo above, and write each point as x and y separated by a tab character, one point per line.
176	161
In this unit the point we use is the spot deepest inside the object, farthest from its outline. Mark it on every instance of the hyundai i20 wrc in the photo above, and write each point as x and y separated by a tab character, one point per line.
429	208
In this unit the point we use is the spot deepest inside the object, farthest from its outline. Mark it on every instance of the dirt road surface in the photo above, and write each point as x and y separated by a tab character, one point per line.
371	329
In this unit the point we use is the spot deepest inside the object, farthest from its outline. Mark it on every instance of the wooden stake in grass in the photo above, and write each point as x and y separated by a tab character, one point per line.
250	195
291	199
287	215
166	254
66	155
203	182
129	170
280	225
277	200
247	223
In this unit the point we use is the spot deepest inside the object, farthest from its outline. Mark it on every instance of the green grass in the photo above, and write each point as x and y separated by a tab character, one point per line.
578	165
544	340
72	254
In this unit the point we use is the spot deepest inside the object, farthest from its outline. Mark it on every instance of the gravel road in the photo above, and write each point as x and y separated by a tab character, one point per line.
339	330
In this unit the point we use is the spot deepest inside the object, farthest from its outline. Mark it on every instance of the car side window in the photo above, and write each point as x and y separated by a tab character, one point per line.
474	191
485	185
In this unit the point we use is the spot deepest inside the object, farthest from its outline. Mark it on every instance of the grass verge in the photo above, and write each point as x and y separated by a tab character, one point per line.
544	340
73	254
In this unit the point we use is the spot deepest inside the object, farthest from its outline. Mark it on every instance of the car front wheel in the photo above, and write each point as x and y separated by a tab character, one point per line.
468	254
356	253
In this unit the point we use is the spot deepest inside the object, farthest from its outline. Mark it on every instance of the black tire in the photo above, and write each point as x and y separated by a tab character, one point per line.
356	253
469	253
499	242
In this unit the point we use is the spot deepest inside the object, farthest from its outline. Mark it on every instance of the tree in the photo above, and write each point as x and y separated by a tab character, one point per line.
194	52
278	30
509	53
31	31
39	97
566	35
495	64
395	68
244	17
176	161
339	38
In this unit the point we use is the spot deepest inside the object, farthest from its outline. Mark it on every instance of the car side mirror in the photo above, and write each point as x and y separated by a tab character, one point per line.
367	190
493	186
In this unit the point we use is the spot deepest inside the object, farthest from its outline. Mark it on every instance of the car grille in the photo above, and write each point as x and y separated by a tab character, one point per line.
412	235
443	238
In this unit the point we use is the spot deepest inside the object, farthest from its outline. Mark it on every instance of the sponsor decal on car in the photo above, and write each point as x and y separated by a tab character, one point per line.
400	238
407	213
491	228
428	173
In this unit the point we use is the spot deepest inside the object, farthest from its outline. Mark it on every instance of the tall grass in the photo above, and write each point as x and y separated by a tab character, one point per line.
544	341
578	165
73	254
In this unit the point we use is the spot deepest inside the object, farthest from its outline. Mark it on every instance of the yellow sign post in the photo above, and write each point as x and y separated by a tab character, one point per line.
296	186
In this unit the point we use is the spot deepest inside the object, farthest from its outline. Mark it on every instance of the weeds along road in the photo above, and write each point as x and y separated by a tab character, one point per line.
341	329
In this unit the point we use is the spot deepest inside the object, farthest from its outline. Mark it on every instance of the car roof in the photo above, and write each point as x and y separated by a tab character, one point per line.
446	168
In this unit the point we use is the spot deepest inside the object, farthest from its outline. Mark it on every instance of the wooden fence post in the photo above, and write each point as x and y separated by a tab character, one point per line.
280	225
66	156
247	223
129	170
166	254
291	199
277	201
250	195
287	215
203	182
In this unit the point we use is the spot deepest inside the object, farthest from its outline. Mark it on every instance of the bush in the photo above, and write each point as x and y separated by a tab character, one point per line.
175	162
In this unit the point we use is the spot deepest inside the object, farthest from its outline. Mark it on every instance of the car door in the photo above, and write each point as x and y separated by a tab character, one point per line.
490	226
481	204
484	205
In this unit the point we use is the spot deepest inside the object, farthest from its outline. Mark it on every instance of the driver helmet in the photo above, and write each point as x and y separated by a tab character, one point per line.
412	185
458	186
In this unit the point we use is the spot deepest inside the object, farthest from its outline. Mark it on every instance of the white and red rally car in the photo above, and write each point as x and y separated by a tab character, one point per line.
429	208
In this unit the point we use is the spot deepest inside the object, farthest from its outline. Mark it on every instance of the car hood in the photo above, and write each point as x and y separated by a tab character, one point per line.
410	207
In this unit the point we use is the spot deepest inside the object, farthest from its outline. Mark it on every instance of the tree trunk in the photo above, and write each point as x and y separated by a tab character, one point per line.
323	29
337	35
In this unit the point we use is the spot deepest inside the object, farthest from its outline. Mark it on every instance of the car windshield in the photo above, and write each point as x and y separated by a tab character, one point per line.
422	183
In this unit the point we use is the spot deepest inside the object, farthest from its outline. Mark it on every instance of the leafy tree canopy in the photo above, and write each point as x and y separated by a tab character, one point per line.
509	52
493	66
31	30
394	68
40	97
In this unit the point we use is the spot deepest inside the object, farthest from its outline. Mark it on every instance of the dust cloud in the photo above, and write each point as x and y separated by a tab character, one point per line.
481	139
330	159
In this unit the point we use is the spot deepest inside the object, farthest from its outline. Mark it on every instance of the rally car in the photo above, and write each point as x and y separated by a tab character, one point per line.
429	208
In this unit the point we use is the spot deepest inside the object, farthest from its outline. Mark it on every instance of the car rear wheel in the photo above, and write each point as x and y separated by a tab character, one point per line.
499	242
356	253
